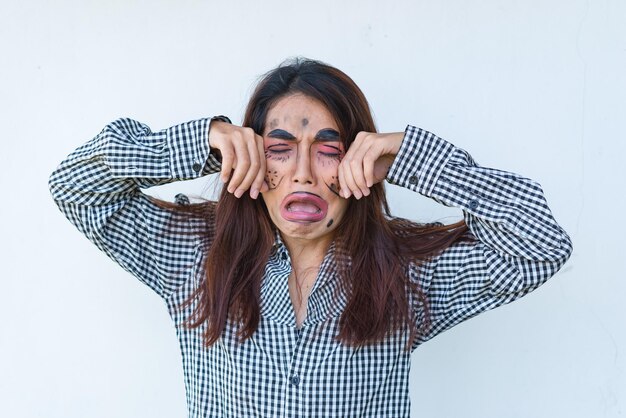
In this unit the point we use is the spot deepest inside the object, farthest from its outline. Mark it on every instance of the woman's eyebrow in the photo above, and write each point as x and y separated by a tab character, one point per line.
327	134
281	134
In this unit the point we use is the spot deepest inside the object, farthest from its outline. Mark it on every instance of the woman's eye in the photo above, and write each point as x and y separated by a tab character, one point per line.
330	151
278	149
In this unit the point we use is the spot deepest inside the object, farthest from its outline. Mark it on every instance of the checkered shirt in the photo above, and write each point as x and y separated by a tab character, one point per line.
282	371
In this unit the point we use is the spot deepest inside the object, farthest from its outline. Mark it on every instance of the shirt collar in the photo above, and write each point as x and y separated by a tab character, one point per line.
327	299
279	249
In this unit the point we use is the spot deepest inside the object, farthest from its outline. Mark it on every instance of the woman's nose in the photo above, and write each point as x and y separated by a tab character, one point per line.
303	173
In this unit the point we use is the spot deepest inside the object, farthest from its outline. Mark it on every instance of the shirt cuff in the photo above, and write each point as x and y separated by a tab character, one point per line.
214	161
420	161
189	149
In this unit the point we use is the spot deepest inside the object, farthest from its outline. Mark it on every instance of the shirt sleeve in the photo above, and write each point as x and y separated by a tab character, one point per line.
98	188
517	245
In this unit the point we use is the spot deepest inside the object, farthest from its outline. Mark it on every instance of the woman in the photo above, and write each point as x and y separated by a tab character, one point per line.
297	294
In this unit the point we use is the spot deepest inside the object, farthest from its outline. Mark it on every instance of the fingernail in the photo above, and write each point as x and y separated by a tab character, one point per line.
254	193
366	192
238	193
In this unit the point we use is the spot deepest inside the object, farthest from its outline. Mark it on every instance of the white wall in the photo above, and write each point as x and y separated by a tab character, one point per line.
535	86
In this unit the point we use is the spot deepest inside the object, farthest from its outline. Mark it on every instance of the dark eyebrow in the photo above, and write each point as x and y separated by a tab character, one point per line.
281	134
327	134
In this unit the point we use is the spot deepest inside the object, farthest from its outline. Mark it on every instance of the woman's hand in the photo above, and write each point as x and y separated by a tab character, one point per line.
367	161
243	158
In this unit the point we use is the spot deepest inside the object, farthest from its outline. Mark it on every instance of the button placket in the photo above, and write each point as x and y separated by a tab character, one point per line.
294	379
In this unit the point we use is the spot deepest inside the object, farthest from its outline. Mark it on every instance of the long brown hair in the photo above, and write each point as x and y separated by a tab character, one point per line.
379	248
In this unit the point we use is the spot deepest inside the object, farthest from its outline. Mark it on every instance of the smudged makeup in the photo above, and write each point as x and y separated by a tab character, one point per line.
303	149
328	151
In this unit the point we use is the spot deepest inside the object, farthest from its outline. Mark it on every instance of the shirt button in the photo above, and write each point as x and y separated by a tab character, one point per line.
473	204
294	380
413	180
181	199
196	167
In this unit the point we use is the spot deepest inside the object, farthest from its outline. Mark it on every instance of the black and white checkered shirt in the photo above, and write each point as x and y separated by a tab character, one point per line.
282	371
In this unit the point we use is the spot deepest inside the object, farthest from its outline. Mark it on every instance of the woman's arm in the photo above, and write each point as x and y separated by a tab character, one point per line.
517	243
97	187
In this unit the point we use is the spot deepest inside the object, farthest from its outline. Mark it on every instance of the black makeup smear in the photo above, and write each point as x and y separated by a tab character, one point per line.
272	179
325	160
329	223
277	157
327	134
305	122
333	188
280	134
337	157
322	161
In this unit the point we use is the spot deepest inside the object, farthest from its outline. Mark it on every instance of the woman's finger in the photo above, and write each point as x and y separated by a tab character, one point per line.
369	160
362	156
242	164
259	185
228	160
253	170
348	184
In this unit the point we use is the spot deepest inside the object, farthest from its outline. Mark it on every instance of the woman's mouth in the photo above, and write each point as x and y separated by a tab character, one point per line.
303	207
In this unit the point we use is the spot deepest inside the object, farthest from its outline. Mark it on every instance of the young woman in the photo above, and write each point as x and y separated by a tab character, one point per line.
297	294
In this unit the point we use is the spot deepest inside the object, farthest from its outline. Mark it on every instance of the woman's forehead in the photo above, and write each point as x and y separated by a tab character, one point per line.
299	111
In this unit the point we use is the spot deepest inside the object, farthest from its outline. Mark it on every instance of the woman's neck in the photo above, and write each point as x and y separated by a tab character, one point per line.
306	258
306	254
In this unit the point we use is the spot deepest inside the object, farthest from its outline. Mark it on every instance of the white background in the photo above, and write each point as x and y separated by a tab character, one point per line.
535	86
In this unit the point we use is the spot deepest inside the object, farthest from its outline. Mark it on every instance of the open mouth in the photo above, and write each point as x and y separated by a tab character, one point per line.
303	207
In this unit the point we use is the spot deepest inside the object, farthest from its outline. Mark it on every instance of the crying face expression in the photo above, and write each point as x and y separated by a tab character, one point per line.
303	150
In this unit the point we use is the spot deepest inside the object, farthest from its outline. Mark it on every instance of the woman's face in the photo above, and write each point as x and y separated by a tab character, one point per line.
303	150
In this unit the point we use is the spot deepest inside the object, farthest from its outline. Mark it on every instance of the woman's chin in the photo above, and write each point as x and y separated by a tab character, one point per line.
303	230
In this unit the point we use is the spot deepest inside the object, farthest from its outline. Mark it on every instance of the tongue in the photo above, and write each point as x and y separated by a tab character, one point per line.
303	207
